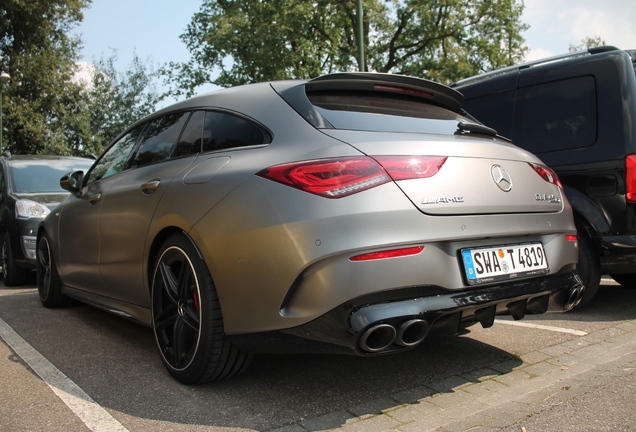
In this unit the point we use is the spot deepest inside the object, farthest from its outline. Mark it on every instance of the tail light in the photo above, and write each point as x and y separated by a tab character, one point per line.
630	177
340	177
411	167
546	174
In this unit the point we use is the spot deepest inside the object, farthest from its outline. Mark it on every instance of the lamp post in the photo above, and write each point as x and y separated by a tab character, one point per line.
4	77
360	31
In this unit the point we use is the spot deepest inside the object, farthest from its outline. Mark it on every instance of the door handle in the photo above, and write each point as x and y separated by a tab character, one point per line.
95	198
150	186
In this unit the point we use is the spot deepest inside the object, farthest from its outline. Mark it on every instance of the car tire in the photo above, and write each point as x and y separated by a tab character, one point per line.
13	274
589	269
628	280
48	279
187	319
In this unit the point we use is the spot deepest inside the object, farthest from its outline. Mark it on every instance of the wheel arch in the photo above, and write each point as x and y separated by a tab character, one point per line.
155	246
587	213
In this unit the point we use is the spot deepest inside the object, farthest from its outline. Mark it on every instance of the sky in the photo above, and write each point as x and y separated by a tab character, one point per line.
151	28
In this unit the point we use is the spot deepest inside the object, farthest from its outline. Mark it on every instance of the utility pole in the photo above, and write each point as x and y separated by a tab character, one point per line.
4	78
361	65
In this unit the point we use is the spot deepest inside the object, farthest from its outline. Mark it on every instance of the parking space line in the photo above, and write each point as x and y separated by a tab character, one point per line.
90	412
542	327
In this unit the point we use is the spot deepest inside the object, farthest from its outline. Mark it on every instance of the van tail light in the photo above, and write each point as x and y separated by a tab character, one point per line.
340	177
546	174
630	178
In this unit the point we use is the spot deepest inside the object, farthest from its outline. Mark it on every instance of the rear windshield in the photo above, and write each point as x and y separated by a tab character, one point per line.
42	176
370	112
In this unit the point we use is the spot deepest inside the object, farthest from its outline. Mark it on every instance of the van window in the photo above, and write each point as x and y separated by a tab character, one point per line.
560	115
494	110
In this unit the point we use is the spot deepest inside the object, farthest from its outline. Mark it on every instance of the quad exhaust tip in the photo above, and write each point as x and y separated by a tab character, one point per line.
574	297
381	336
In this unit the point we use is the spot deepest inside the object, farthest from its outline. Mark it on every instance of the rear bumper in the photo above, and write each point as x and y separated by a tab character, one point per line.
400	319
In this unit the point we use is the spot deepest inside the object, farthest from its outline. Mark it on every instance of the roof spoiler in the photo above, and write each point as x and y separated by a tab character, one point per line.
383	83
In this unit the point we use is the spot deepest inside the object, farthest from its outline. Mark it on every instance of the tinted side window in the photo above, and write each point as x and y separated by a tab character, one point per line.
494	110
224	131
190	141
115	157
160	137
556	116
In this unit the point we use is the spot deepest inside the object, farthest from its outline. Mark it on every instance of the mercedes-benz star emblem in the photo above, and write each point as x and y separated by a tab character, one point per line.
501	178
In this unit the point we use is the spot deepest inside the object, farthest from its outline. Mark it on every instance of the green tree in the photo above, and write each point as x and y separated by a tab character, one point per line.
47	110
115	100
236	42
41	104
586	43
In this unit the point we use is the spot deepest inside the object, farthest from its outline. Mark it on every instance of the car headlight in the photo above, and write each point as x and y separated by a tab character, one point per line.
30	209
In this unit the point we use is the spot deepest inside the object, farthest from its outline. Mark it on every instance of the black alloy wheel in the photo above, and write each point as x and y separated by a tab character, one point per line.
49	284
186	317
13	274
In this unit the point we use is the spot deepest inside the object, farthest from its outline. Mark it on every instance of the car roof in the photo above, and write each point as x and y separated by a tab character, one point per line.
543	61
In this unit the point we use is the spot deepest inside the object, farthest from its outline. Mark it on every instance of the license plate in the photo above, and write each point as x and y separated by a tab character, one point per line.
504	262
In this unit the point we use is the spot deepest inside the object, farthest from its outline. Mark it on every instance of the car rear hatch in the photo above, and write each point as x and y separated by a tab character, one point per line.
445	163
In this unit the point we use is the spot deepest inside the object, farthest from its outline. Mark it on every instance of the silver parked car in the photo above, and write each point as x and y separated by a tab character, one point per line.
352	213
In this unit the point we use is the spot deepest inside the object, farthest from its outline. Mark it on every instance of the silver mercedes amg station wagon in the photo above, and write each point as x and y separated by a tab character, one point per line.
353	213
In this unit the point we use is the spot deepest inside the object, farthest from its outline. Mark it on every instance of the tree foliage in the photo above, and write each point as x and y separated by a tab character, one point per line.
115	100
47	110
236	42
586	43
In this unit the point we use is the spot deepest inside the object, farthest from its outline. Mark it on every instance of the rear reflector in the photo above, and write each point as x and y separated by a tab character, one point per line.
630	177
393	253
330	178
546	174
570	237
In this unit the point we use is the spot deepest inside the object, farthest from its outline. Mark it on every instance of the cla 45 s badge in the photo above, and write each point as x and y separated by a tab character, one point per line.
551	198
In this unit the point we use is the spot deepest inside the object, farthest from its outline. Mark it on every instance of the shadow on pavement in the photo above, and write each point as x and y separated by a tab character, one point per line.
116	363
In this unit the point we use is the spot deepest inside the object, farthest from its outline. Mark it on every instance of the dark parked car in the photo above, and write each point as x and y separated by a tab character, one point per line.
348	214
577	113
29	189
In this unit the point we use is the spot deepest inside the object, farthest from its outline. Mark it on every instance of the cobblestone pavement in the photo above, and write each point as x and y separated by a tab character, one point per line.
589	369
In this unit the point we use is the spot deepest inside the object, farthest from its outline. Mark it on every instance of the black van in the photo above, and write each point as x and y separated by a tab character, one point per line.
577	112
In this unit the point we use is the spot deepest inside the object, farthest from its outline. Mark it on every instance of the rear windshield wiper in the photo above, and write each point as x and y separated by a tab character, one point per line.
476	128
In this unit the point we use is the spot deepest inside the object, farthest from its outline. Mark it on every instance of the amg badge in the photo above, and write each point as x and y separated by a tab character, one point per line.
445	200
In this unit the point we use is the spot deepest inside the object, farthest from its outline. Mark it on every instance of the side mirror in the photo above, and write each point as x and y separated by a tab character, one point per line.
72	182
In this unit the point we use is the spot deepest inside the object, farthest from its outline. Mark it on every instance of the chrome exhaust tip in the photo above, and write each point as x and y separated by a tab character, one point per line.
574	297
377	338
412	332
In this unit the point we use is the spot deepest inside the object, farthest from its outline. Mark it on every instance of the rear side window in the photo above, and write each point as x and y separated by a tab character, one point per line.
222	131
556	116
159	139
372	112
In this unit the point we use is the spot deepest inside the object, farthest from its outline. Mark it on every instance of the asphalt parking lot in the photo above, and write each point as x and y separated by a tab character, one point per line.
104	373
